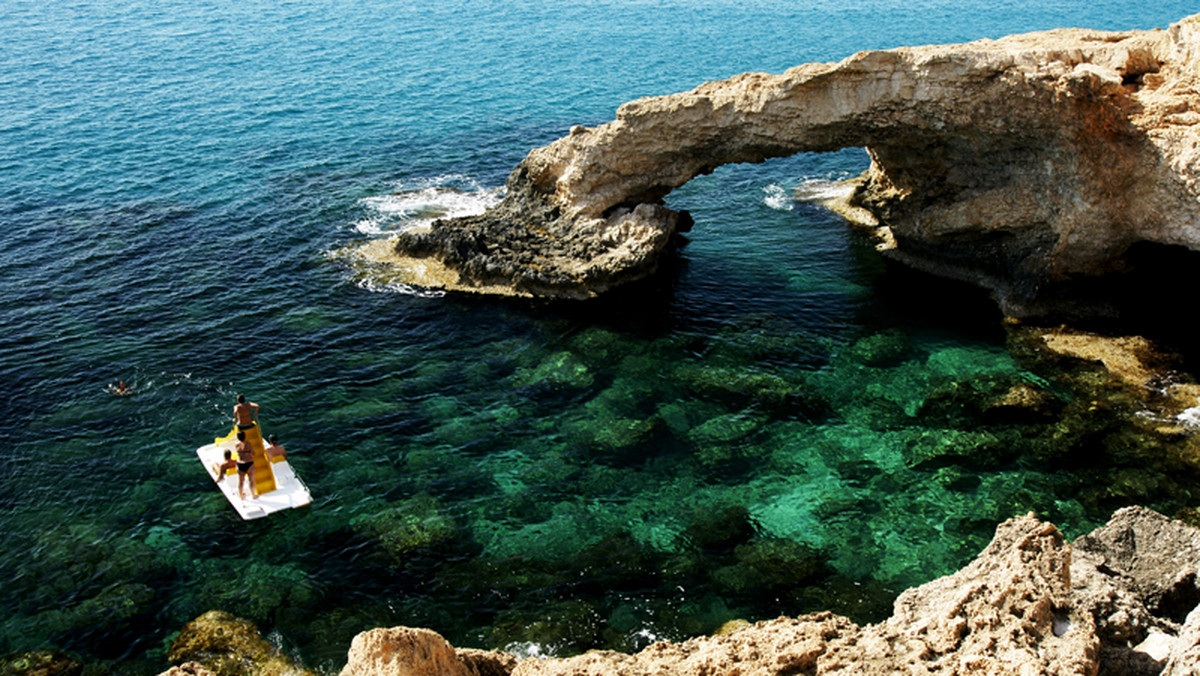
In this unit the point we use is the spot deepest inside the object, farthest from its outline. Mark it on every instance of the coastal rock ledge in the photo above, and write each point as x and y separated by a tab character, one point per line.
1024	165
1121	600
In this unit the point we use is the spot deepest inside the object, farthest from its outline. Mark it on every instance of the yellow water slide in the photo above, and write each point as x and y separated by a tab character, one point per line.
264	475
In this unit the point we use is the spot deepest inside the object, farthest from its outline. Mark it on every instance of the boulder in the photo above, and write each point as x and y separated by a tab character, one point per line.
1136	577
1184	659
402	651
40	663
225	645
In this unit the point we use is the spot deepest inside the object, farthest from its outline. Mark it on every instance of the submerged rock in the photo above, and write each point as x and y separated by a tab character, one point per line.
562	370
1022	165
189	669
403	528
227	645
887	348
40	663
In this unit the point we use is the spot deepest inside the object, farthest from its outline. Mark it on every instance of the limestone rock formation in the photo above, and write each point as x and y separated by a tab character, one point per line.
220	644
1114	603
402	651
189	669
40	663
1184	658
1137	577
1024	164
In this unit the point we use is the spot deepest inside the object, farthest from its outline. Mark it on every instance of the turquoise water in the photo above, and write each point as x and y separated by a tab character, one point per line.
775	424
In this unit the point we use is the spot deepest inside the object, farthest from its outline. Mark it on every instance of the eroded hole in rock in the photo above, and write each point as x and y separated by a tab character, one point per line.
1153	292
1062	623
1180	600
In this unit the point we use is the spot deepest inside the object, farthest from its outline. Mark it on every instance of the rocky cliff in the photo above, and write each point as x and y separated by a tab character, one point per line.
1122	600
1023	164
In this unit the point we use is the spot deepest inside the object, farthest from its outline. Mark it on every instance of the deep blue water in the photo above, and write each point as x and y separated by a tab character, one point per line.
178	184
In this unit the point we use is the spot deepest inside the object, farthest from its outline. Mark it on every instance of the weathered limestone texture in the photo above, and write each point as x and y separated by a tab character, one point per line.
1114	603
1020	164
188	669
1137	576
1184	659
40	663
401	651
220	644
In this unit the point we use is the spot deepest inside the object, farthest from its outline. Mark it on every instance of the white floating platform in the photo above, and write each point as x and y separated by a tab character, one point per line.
281	489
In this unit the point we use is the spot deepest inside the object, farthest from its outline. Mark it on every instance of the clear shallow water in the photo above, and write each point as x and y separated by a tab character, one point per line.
747	435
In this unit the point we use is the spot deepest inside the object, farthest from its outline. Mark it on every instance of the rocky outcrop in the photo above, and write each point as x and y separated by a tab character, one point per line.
189	669
402	651
1114	603
1024	164
1136	577
220	644
40	663
1184	654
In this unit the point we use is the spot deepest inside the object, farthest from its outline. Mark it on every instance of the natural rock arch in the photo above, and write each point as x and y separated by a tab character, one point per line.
1021	164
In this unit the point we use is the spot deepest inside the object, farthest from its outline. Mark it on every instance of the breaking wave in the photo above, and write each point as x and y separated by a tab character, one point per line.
415	204
777	198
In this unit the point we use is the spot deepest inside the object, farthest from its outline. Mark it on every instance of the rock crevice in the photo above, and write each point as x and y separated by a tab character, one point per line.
1021	164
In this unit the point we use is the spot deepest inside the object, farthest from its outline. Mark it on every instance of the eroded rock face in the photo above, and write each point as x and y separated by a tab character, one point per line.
403	651
1137	577
40	663
220	644
1020	164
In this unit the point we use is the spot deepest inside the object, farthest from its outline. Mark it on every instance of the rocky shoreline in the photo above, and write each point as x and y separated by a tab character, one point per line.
1124	599
1047	168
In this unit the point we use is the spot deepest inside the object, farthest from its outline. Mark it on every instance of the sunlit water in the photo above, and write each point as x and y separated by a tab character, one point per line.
744	435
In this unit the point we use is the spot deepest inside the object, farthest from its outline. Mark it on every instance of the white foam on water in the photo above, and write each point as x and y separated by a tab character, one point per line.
410	205
525	649
397	287
777	198
415	204
647	633
1190	418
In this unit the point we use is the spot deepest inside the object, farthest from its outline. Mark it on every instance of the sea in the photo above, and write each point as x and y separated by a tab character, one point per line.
771	425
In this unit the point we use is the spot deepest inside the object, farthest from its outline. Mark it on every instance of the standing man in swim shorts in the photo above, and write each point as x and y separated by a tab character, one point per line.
244	413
